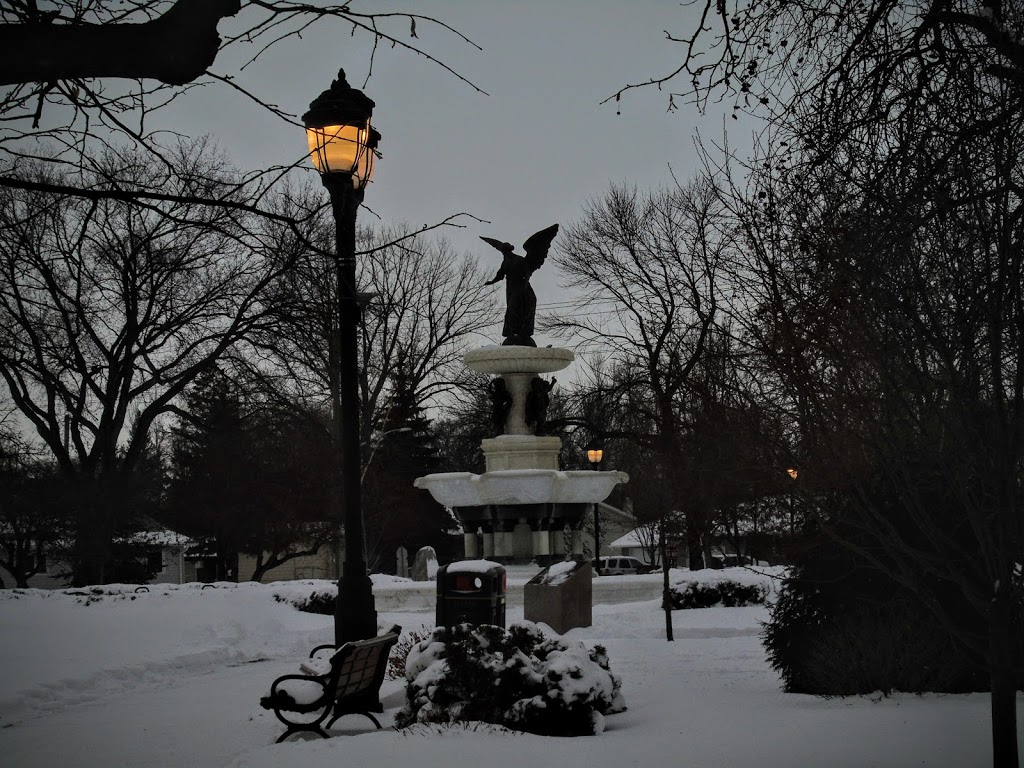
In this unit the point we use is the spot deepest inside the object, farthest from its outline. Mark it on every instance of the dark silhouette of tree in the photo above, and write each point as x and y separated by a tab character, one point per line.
34	510
77	75
397	513
881	223
423	306
250	478
466	421
648	268
884	264
108	311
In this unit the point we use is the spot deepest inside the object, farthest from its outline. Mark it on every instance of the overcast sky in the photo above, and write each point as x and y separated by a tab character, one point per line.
525	156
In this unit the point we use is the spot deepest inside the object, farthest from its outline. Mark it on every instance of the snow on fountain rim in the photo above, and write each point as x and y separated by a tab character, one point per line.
521	486
516	359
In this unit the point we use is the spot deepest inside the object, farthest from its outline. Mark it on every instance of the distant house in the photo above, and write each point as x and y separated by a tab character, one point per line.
615	523
318	566
631	545
170	548
166	550
641	542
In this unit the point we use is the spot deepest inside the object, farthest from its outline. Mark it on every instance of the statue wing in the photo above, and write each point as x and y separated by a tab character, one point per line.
501	246
537	246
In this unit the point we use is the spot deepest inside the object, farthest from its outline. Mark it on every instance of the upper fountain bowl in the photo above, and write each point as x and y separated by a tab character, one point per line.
515	359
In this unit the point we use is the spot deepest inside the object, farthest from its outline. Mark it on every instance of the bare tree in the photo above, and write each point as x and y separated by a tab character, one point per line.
847	56
33	512
886	299
81	75
423	305
110	309
654	262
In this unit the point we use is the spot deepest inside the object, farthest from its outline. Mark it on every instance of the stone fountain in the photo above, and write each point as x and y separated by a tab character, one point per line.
523	507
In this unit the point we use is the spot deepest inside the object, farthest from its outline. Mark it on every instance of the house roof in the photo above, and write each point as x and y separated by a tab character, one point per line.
631	539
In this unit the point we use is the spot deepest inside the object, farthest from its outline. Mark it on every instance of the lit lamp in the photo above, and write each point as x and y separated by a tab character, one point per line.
594	456
342	146
793	474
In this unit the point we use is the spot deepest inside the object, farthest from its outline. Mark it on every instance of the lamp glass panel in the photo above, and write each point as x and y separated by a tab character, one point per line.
336	148
365	164
595	455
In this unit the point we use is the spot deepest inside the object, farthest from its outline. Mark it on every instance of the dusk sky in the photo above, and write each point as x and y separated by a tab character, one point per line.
525	156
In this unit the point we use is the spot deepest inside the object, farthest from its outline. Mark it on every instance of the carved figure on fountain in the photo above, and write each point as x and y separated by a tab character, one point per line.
501	404
537	401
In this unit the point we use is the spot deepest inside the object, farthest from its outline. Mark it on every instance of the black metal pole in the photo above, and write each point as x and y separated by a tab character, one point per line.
666	595
597	527
355	616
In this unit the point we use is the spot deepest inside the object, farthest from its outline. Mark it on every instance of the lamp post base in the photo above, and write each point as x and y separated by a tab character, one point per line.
355	615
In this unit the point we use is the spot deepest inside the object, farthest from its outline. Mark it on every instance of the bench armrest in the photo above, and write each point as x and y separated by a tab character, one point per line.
299	693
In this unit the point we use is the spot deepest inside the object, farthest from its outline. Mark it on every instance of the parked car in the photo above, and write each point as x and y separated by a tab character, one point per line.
620	566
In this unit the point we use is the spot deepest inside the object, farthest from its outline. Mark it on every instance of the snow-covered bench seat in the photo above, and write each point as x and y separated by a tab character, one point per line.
335	682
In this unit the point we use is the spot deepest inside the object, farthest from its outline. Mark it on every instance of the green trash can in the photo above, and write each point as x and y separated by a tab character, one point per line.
471	591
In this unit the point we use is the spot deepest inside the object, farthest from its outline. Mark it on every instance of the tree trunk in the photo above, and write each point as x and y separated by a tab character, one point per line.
1004	682
93	536
694	547
261	569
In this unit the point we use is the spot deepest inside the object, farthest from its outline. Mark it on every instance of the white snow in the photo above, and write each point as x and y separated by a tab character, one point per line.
769	576
472	566
557	573
173	677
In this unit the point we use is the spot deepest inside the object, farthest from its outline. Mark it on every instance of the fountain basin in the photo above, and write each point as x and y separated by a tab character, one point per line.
520	486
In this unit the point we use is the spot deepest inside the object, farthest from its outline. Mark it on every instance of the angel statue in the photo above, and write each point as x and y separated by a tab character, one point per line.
520	300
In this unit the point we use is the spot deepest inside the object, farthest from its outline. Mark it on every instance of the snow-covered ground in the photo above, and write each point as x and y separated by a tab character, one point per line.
173	678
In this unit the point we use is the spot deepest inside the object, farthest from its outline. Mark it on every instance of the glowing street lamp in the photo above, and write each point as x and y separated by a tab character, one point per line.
342	146
594	456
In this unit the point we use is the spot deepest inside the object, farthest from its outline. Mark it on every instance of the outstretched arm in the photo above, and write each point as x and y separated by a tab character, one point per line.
498	277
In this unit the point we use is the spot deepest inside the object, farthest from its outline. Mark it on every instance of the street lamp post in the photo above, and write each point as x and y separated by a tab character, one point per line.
594	456
342	146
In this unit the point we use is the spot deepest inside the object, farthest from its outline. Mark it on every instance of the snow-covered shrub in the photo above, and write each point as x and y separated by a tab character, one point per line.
518	678
703	589
317	601
396	661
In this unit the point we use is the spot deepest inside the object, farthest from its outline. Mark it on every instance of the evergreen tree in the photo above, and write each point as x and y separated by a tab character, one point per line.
397	513
250	478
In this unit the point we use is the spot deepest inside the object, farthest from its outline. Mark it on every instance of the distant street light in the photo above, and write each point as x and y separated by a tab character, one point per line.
594	456
793	474
342	146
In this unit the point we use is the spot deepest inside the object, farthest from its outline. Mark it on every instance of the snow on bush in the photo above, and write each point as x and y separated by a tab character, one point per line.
518	678
729	587
320	595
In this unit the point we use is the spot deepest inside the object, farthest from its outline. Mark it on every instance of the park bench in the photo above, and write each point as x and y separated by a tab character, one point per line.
335	682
